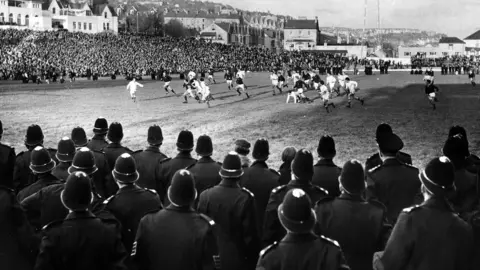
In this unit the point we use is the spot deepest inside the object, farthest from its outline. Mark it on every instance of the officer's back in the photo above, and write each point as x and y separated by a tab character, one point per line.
100	130
358	226
394	183
114	149
131	202
326	172
7	161
149	159
259	179
168	167
82	240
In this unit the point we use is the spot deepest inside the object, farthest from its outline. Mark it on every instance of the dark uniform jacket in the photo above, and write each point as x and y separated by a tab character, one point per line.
43	181
396	185
113	151
429	236
358	226
23	176
17	240
326	175
233	209
302	252
285	172
466	198
82	241
104	183
7	164
260	180
205	172
272	228
175	239
168	167
375	160
61	171
97	143
147	162
45	206
129	205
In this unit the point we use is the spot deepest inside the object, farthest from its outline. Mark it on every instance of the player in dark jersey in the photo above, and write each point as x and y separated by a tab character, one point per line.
229	79
240	86
471	76
430	91
167	79
300	87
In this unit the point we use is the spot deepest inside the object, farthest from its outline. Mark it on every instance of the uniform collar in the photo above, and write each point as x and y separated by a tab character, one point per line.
99	137
114	145
295	183
351	197
440	203
153	149
391	161
205	160
80	215
325	162
183	155
259	163
229	183
297	237
183	209
128	187
47	178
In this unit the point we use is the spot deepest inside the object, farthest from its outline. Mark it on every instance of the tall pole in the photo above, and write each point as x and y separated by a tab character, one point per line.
364	25
137	21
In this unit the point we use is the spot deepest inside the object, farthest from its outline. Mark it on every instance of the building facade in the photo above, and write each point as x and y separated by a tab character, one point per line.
200	20
58	14
472	44
230	33
448	46
301	34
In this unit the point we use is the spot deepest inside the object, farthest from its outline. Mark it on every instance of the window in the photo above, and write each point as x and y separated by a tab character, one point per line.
445	53
299	32
19	19
2	19
308	33
74	25
477	45
53	10
108	26
90	26
105	14
60	12
84	26
406	54
433	53
104	26
10	18
89	13
27	20
450	47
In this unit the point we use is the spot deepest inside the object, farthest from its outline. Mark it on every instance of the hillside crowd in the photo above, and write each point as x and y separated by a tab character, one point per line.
450	64
53	55
96	204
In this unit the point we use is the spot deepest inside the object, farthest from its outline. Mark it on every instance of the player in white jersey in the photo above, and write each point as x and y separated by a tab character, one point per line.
191	75
352	87
325	94
242	74
132	87
331	81
341	80
295	77
210	77
274	79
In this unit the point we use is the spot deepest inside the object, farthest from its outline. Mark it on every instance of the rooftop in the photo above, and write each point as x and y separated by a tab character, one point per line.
451	40
474	36
301	24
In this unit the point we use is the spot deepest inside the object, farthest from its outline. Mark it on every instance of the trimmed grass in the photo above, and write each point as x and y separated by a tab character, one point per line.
397	98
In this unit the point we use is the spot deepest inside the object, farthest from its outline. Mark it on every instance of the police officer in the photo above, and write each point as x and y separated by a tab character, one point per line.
65	153
17	238
114	149
81	240
285	169
430	235
104	172
165	238
41	165
260	179
326	172
242	147
100	130
149	159
375	160
169	166
359	226
23	176
7	161
394	183
205	171
472	162
302	173
84	160
233	209
131	202
300	248
466	199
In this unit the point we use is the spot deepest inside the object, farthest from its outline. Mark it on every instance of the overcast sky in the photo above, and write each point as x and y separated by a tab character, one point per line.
457	18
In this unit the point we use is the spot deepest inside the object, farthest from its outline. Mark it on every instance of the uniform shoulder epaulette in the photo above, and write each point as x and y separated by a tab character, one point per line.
273	171
374	169
278	189
52	225
248	192
330	241
377	204
21	153
99	151
150	190
409	166
207	219
138	151
108	200
52	149
165	160
220	163
320	189
190	166
410	209
268	249
325	200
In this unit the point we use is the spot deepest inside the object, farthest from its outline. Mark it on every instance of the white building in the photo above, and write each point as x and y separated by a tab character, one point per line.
301	34
74	17
472	44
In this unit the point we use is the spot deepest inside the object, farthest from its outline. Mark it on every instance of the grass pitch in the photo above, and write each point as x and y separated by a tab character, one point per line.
397	98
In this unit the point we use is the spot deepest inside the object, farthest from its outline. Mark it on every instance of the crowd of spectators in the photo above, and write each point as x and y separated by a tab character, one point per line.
96	204
456	64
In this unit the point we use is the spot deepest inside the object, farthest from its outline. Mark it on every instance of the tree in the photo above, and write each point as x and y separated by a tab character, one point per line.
174	28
